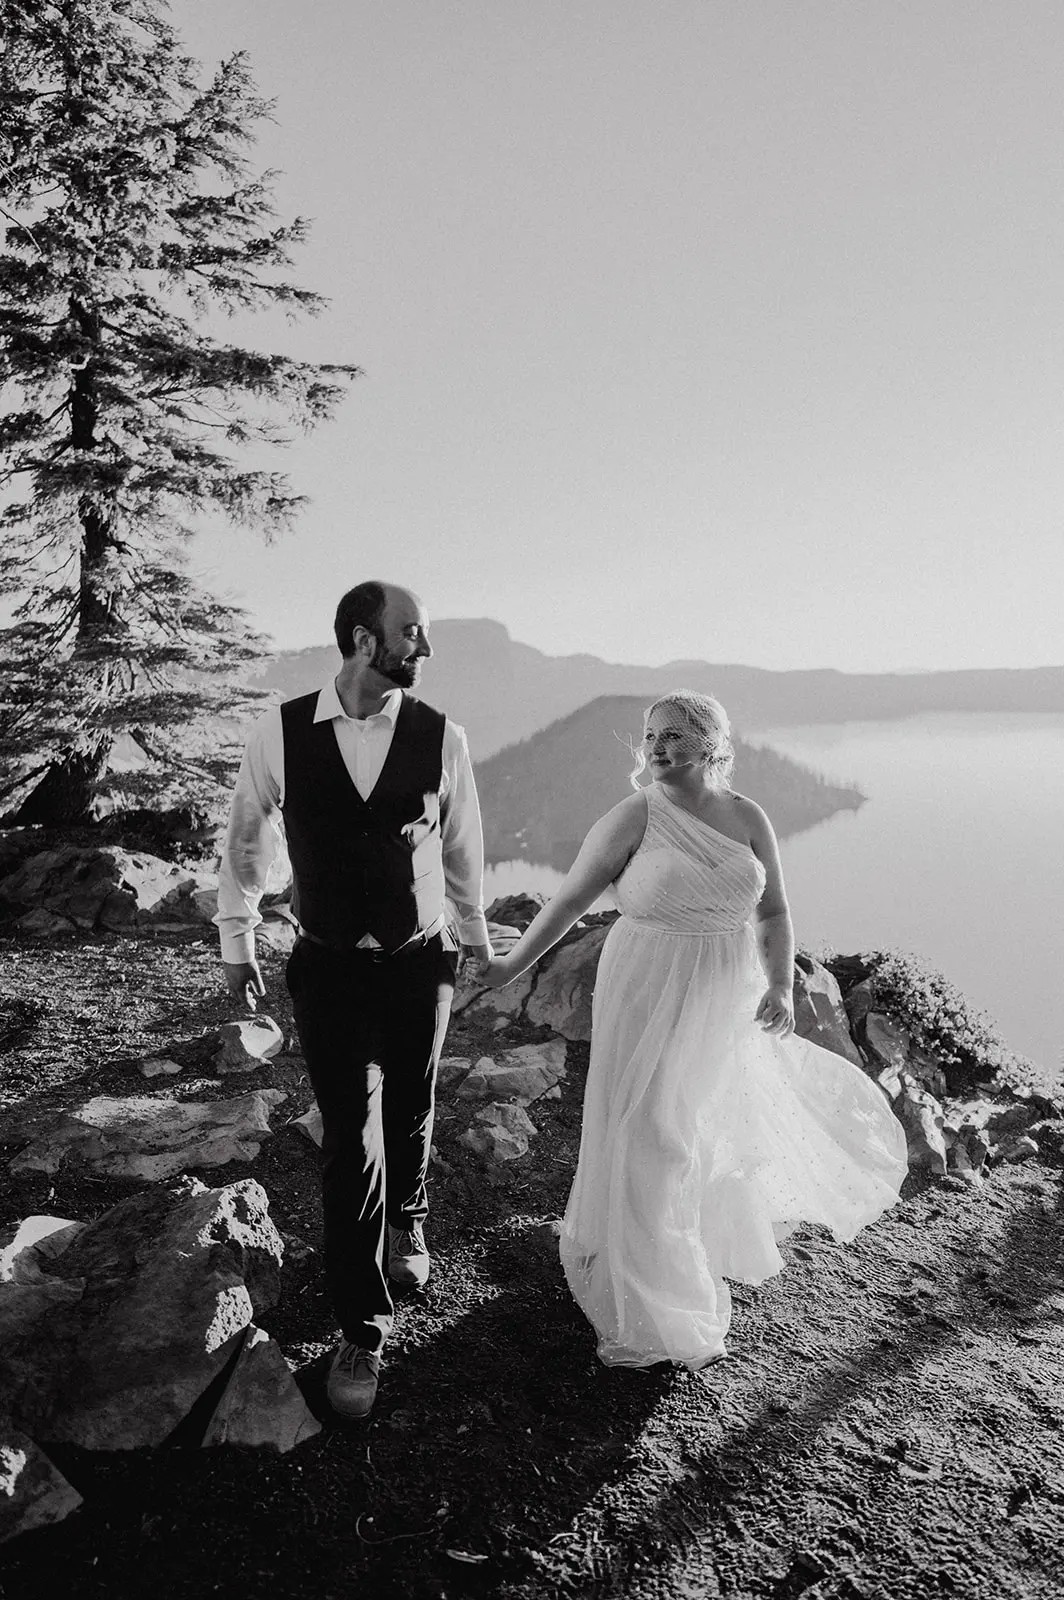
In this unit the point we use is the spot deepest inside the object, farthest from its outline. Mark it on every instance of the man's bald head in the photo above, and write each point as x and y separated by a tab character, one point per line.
367	606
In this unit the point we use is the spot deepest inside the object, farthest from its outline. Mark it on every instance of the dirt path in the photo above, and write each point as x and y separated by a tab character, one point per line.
888	1424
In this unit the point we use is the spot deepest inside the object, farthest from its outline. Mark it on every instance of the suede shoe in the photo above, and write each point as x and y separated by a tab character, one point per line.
408	1258
352	1383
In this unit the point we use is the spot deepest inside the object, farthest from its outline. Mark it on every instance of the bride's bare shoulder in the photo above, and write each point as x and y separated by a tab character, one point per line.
626	821
750	816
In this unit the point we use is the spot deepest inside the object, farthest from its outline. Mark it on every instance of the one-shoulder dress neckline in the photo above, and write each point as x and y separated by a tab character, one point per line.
740	844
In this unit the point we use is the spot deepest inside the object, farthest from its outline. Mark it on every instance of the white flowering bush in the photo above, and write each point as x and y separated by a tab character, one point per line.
941	1020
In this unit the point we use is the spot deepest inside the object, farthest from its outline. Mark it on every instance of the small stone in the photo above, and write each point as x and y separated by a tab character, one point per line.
246	1044
261	1404
451	1070
33	1492
158	1066
500	1132
309	1124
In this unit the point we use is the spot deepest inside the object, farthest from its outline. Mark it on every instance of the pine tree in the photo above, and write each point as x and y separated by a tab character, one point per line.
132	218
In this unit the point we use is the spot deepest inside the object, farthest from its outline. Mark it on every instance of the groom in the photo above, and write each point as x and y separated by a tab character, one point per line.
380	812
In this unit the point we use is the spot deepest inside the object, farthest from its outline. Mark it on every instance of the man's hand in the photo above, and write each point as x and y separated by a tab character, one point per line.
473	960
244	982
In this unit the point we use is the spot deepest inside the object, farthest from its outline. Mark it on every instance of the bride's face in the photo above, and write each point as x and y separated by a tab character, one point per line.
672	748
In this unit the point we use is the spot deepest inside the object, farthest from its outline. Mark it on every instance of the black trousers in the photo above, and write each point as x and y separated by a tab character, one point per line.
371	1028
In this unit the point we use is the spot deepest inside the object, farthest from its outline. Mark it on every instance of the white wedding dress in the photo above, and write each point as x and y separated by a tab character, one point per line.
705	1140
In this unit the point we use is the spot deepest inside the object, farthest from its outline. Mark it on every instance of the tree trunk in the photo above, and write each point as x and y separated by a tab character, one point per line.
65	795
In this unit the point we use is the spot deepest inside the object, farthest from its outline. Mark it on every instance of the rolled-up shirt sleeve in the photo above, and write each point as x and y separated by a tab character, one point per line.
252	839
462	838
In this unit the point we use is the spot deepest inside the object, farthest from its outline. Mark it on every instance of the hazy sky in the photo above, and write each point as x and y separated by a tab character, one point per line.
715	328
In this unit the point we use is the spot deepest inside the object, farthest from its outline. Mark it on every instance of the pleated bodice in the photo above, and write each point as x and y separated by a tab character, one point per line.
686	877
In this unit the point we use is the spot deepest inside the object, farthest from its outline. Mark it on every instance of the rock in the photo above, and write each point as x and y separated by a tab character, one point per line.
819	1014
541	1238
35	1240
33	1492
41	924
922	1118
1016	1149
859	1001
500	1133
451	1070
561	998
475	1000
520	1075
158	1066
262	1404
246	1044
158	1288
277	933
97	887
139	1136
515	910
309	1124
886	1041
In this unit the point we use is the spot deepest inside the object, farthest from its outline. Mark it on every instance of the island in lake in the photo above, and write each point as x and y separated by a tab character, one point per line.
540	796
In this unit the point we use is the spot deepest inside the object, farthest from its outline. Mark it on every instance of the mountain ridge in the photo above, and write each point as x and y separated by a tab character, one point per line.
502	690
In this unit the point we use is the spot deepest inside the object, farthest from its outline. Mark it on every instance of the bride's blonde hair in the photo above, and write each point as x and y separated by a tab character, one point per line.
708	721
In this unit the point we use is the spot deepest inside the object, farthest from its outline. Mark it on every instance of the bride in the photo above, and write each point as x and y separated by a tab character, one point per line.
710	1131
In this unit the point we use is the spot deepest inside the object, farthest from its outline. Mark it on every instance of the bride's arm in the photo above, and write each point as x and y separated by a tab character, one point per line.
604	854
775	933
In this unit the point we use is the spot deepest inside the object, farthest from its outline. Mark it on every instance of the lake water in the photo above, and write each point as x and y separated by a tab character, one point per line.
957	856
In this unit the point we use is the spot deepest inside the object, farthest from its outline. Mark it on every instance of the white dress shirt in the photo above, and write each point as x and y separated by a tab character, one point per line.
255	825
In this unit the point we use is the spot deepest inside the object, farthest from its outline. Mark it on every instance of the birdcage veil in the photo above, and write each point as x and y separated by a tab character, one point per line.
708	721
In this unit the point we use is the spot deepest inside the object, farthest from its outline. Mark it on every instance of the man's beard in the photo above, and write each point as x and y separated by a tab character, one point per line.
401	670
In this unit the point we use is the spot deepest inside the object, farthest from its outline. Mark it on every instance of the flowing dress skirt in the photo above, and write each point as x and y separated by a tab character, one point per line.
705	1142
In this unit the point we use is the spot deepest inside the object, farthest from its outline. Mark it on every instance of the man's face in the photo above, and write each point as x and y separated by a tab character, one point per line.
402	640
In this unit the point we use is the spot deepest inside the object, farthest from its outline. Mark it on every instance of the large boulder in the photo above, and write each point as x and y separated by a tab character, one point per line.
561	999
819	1014
33	1492
148	1137
100	888
157	1293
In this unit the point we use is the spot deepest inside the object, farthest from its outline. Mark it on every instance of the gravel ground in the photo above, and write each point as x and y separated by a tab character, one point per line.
887	1425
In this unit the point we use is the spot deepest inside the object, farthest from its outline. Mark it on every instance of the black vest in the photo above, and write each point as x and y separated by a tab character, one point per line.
364	866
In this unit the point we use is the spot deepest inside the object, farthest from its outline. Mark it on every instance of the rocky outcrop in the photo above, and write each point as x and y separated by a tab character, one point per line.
101	889
141	1136
110	1334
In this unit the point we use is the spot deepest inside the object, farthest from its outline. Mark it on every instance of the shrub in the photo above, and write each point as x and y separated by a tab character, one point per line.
942	1021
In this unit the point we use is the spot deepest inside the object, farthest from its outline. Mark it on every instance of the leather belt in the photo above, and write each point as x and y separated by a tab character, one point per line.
369	952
